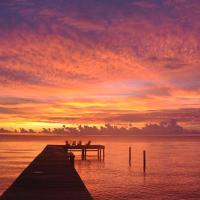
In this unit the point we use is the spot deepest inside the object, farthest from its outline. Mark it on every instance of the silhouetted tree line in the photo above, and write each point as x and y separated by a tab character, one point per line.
165	127
2	130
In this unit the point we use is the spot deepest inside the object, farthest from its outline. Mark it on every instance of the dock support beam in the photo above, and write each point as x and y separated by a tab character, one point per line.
85	154
100	154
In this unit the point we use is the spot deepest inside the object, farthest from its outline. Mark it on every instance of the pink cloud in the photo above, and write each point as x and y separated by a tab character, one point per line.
114	54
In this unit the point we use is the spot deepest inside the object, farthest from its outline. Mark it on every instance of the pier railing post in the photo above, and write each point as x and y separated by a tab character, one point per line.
144	161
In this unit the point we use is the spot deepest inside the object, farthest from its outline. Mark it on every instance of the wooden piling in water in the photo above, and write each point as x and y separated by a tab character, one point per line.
144	161
130	156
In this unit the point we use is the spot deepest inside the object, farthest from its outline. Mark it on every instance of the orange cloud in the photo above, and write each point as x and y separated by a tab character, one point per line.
72	62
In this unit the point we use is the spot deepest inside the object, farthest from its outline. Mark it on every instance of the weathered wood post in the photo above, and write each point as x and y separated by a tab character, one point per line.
130	156
103	153
144	161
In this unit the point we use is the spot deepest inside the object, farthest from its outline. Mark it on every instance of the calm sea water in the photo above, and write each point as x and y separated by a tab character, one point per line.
173	166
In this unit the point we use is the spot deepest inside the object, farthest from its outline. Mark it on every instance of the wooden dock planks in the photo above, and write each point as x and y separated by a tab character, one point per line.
50	176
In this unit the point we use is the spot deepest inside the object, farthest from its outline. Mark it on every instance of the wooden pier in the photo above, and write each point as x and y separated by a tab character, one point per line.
51	176
100	149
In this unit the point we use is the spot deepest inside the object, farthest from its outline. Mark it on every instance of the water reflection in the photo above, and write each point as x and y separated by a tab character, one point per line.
172	167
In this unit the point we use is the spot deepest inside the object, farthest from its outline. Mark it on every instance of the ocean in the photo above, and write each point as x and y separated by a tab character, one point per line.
173	165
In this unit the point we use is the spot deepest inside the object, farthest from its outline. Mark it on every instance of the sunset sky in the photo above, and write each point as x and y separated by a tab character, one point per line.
98	61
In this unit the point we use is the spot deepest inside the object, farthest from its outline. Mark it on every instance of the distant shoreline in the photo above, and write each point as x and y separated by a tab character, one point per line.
40	135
